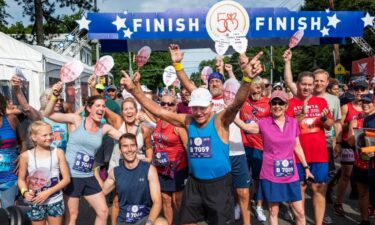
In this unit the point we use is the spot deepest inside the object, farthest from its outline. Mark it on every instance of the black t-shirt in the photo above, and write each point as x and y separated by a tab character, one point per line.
369	122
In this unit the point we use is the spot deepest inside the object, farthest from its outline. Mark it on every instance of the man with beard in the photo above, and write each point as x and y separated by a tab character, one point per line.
313	118
255	108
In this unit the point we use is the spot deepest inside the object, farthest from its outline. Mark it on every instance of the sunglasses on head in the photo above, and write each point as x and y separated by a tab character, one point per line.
167	103
277	102
359	88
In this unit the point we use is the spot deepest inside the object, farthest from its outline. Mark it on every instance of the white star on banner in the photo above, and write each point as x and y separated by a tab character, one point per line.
333	21
61	45
324	31
83	23
69	37
327	10
119	23
128	33
367	20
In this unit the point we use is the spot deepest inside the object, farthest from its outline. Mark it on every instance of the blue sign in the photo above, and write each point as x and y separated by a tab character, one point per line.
191	24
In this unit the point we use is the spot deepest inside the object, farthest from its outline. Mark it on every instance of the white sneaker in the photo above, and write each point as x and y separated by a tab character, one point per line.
260	214
237	212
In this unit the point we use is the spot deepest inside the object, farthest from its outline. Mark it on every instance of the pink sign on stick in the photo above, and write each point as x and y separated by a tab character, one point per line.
296	38
104	65
71	71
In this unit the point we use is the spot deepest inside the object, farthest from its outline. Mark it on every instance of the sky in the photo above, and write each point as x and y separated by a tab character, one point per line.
192	57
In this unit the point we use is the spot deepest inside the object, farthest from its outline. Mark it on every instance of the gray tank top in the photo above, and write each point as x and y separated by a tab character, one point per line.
81	149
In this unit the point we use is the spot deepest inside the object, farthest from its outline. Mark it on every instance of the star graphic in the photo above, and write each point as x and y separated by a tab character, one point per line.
128	33
327	10
367	20
69	37
83	23
333	21
125	12
324	31
61	45
119	23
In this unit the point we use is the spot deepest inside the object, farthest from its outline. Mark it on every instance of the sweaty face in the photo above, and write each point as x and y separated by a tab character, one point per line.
97	110
255	92
216	87
305	86
128	148
320	82
201	114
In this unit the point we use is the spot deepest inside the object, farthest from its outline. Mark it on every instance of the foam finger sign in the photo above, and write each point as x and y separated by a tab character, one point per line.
169	75
71	71
104	65
222	45
206	71
296	38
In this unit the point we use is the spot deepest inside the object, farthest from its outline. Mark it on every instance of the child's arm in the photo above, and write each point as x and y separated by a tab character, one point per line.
22	185
64	171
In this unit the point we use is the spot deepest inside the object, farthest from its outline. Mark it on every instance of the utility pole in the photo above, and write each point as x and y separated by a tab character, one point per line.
271	63
336	47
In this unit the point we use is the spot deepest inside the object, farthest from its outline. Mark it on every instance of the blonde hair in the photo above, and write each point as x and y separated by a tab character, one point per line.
35	127
44	97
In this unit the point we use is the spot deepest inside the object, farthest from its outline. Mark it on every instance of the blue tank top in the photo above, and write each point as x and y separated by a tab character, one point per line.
60	134
8	153
133	192
81	150
207	154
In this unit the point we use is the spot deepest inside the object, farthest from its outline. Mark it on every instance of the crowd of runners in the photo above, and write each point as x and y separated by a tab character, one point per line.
205	154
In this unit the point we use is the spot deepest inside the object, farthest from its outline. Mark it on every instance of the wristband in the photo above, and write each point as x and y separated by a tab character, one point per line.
53	98
323	119
306	167
151	222
178	66
247	79
23	191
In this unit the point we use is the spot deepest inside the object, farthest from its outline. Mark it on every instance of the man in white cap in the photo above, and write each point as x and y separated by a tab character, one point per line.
208	193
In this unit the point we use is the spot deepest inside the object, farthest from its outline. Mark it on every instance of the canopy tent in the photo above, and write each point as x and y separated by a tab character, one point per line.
41	67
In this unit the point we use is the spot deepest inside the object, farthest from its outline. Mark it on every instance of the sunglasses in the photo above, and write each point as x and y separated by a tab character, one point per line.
280	103
167	103
359	88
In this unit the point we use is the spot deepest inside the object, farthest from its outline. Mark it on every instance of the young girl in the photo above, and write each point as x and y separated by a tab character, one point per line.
39	176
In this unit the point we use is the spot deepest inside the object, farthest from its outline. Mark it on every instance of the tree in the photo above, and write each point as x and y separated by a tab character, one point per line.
3	15
39	10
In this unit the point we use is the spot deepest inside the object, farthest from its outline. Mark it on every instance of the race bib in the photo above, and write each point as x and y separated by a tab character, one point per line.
83	163
347	155
6	162
283	168
200	147
135	213
161	159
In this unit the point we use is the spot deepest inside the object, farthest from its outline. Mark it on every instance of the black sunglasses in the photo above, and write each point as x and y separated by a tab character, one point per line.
167	103
280	103
359	88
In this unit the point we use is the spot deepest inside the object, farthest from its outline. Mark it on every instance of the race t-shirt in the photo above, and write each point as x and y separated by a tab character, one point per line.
251	112
312	136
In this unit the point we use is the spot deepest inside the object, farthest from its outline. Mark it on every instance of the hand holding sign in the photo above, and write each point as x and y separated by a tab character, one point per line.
169	75
104	65
296	38
71	71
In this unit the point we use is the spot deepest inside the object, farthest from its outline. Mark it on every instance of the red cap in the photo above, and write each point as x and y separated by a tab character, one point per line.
281	95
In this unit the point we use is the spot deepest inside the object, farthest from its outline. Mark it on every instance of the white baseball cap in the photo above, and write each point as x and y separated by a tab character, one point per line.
200	97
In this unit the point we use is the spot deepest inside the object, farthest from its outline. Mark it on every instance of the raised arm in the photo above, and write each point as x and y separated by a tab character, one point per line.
155	193
250	70
177	55
288	75
229	69
30	111
179	120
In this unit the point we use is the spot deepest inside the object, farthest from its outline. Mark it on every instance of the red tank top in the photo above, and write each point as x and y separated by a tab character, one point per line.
358	162
351	115
169	151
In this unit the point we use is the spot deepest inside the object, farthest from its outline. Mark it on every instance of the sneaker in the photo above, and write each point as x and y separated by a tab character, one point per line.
327	220
338	209
260	214
237	212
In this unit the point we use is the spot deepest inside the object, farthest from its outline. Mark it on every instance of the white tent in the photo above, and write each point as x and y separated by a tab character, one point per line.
40	65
